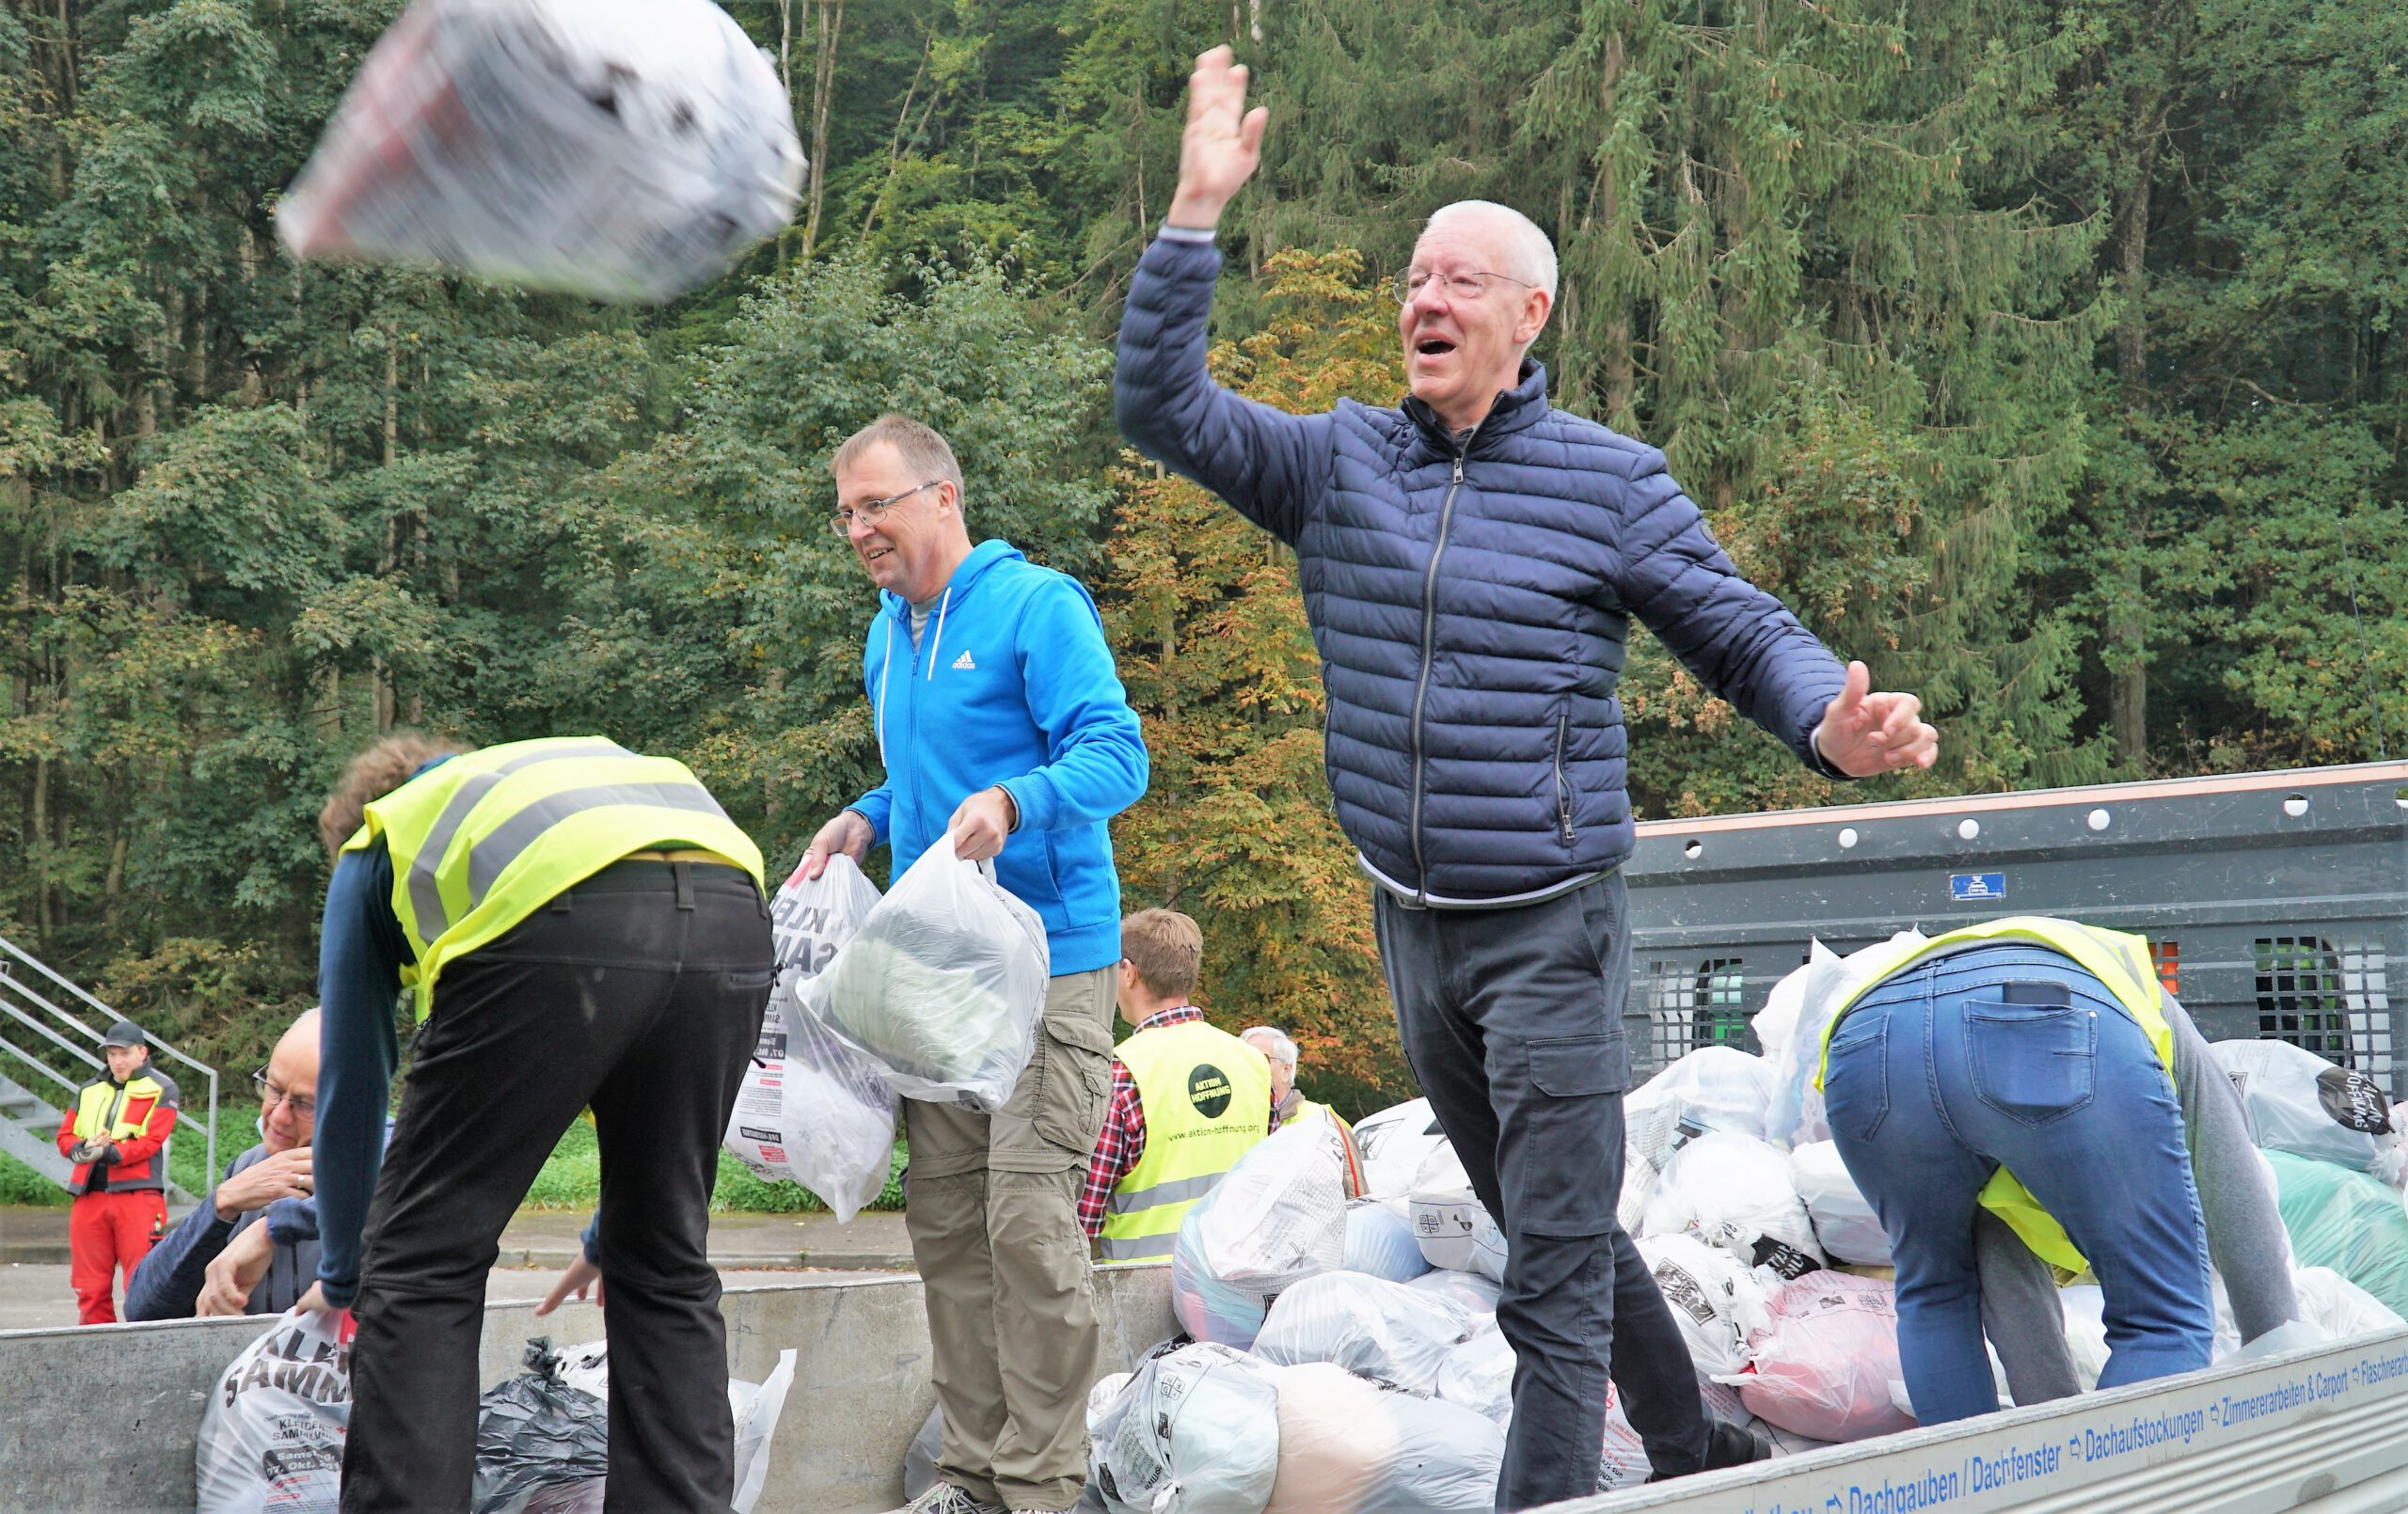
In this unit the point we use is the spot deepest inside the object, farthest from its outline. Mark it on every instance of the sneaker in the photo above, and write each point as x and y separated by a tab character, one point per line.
1727	1446
944	1498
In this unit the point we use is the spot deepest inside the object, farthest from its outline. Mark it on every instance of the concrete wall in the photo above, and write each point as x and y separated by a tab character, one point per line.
861	1389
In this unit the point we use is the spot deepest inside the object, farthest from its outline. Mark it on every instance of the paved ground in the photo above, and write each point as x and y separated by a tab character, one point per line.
748	1249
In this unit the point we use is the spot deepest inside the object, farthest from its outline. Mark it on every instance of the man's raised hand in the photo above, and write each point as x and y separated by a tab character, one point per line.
1863	733
1222	144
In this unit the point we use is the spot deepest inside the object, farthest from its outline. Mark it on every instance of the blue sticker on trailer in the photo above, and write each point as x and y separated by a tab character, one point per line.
1976	888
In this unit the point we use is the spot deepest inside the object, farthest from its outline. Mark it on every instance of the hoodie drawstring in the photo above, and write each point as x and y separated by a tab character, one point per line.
884	662
937	640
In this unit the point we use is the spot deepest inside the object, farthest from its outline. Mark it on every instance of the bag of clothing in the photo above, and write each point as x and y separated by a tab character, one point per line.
1713	1088
2347	1221
621	149
1454	1226
1790	1029
1715	1299
1474	1293
942	986
2297	1102
812	1110
1381	1241
1824	1364
2339	1307
1478	1373
1349	1445
1844	1221
1366	1325
272	1432
1394	1144
1274	1220
1736	1191
1195	1431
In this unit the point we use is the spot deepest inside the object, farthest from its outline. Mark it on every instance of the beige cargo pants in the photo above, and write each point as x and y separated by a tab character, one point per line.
992	1210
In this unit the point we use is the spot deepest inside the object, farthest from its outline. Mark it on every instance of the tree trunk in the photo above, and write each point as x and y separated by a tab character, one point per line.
389	559
2128	624
828	21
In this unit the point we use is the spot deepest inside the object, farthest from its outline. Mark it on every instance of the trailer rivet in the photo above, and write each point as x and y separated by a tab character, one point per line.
2098	819
2295	806
1847	836
1693	850
1968	830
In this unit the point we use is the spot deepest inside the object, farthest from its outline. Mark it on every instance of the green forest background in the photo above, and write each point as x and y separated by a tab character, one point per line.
2044	354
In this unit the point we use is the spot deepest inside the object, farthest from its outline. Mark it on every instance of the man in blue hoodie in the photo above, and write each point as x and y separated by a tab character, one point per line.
1005	733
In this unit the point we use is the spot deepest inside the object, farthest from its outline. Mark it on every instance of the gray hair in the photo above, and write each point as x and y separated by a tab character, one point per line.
1283	1051
924	452
1529	250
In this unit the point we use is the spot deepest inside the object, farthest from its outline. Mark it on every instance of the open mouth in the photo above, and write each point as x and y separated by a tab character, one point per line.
1433	347
876	553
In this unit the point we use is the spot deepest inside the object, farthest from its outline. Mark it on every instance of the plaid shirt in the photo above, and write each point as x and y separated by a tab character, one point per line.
1124	1129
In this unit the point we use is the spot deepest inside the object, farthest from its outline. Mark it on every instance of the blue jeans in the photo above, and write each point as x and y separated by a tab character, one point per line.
2011	1055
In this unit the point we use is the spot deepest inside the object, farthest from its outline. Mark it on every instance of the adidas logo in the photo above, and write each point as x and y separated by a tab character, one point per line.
964	664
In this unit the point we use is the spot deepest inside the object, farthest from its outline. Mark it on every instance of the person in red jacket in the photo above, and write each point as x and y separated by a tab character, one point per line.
117	1136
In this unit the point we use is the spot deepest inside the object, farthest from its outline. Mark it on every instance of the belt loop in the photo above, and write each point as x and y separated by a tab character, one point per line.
685	872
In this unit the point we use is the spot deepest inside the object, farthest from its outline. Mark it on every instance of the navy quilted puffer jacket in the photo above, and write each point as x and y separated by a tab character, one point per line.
1469	601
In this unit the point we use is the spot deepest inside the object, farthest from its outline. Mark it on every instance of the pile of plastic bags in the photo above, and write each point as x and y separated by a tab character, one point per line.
1276	1219
624	150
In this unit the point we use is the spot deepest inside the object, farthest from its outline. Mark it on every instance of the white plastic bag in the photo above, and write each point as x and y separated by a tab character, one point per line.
1394	1144
1366	1325
1474	1293
1793	1019
1478	1374
1713	1088
625	150
1845	1223
1736	1191
757	1408
1381	1241
1823	1366
811	1110
2297	1102
1349	1445
2339	1307
1454	1226
1274	1220
1716	1300
1195	1431
943	985
2084	1308
272	1432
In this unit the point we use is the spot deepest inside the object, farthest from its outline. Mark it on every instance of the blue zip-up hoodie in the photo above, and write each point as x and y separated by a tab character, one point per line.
1011	686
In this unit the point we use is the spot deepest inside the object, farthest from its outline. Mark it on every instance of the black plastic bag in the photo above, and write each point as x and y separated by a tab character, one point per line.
543	1446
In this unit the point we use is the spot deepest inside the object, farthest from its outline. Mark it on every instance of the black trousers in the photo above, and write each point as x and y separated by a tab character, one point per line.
1511	1019
639	992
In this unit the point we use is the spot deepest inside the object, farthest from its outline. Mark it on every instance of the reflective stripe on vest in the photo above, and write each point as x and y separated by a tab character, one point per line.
2120	962
485	839
1207	1096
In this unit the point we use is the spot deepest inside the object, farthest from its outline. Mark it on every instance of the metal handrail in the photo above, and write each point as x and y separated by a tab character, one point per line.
207	1127
26	1057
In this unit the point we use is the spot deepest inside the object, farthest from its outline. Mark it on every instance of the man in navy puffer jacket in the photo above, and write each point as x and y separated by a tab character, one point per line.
1470	563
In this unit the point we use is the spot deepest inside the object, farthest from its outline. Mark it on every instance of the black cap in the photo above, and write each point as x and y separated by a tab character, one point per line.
125	1033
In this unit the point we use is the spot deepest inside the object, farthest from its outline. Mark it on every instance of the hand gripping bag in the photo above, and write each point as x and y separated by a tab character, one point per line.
1823	1366
622	150
1716	1300
2297	1102
272	1432
1844	1221
1381	1241
1736	1191
1276	1219
1349	1445
1195	1431
812	1109
942	986
1454	1226
1368	1325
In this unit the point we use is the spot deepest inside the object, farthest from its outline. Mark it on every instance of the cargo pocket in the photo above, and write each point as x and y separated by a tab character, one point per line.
1569	1175
1075	1084
2031	1062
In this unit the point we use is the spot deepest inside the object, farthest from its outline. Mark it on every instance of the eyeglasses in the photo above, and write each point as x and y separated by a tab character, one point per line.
870	510
271	1096
1409	284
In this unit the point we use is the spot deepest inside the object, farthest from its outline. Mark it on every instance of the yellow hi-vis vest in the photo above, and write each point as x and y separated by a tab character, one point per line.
482	841
1207	1096
2118	960
103	1112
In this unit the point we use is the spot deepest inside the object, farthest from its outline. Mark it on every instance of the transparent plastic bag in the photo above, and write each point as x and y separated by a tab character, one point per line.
2297	1102
942	986
1716	1298
1845	1223
1349	1445
811	1110
1195	1431
1713	1088
1823	1364
1474	1293
1368	1325
1394	1144
623	150
1736	1191
1381	1241
272	1433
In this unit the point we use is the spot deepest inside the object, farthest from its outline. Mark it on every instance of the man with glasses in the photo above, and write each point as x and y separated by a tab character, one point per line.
1470	563
1004	734
253	1247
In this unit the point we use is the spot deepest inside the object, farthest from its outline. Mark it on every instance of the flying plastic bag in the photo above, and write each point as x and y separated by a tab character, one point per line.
1394	1144
1823	1366
1368	1325
1195	1431
1381	1241
1844	1221
623	150
1349	1445
1713	1088
1454	1226
272	1432
1274	1220
2297	1102
811	1110
1736	1191
1716	1300
942	986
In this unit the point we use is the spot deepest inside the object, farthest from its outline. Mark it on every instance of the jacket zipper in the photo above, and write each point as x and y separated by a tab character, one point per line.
1562	789
1429	632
